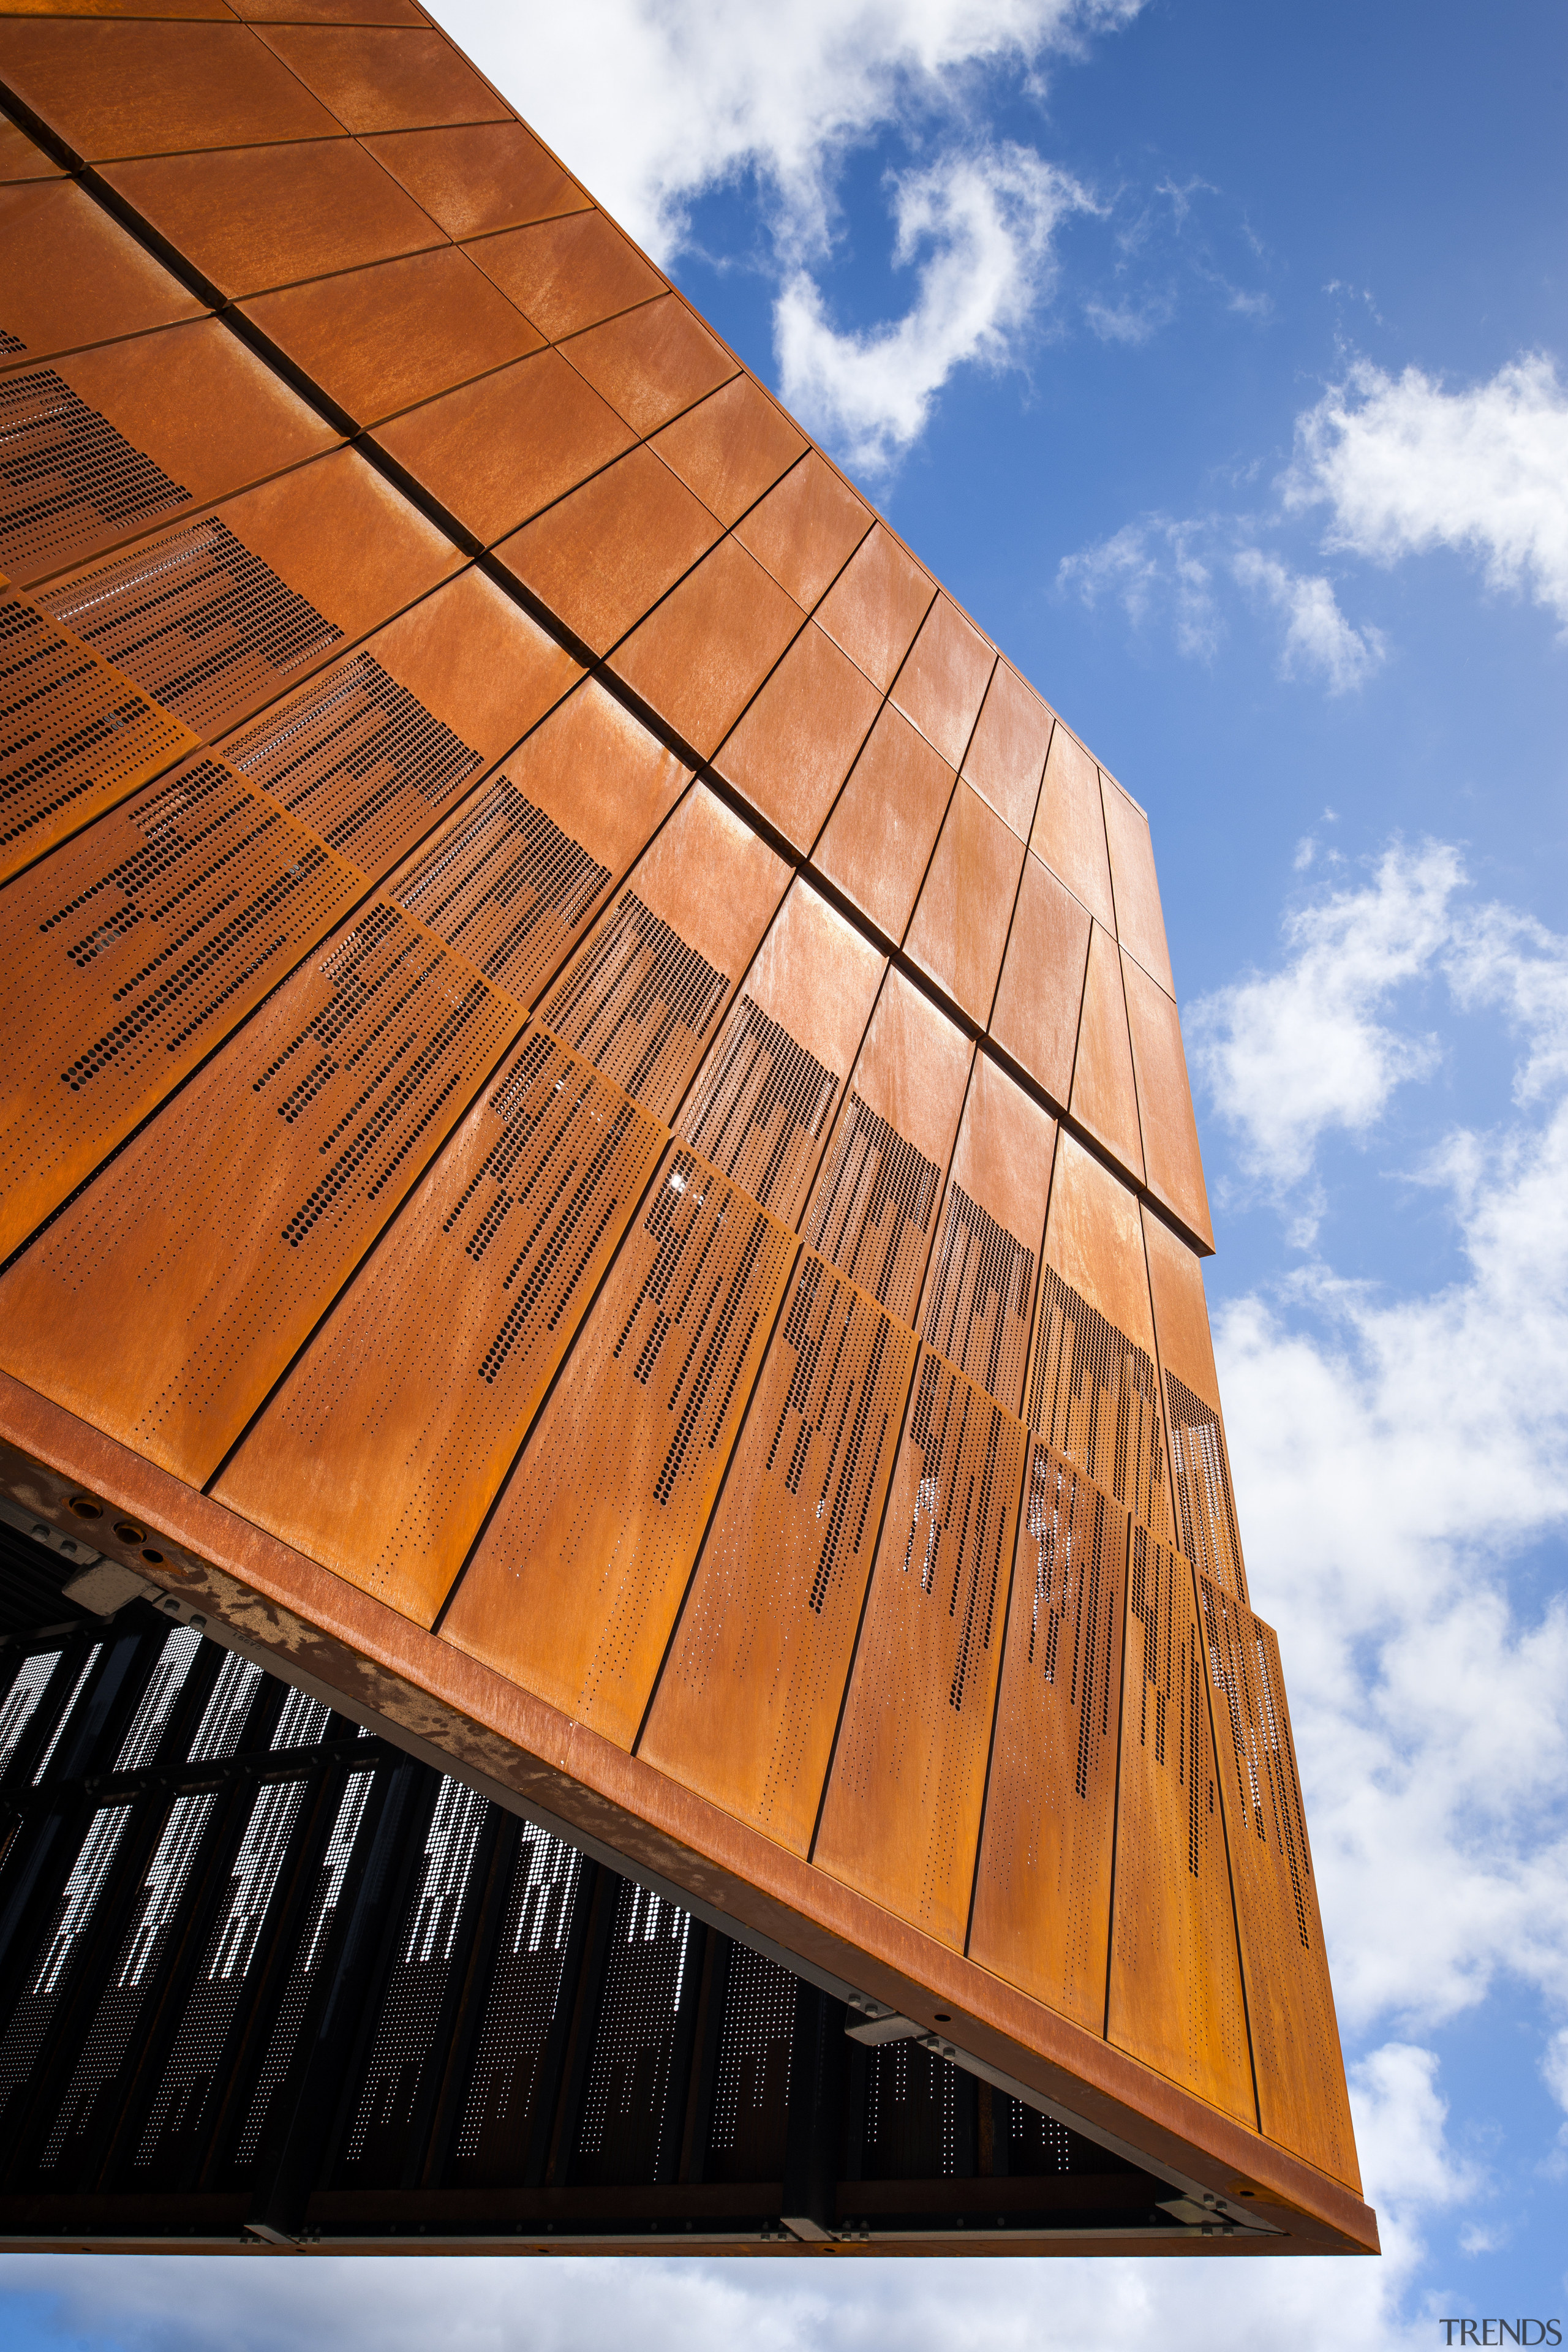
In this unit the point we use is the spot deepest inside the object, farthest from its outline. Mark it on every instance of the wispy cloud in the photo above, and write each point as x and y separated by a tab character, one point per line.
1318	637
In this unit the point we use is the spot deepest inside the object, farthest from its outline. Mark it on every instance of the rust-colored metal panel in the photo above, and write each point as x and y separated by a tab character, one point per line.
391	1437
167	1299
377	341
878	843
942	683
1170	1131
1175	1993
329	12
876	606
652	361
873	1210
497	451
901	1820
1301	2096
492	175
1006	754
702	655
155	89
1094	1391
20	159
1069	826
642	995
732	447
75	734
223	614
1036	1015
252	217
576	1580
961	922
128	954
601	557
762	1104
378	78
1140	921
748	1702
108	441
795	745
1200	1458
806	529
73	276
525	862
568	273
375	749
1042	1893
1104	1094
980	1297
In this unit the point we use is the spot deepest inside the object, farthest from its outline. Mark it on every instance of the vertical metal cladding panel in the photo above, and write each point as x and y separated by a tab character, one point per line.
567	273
732	447
763	1101
641	998
109	442
1176	1997
72	275
1006	754
632	2110
1042	1903
504	2094
902	1817
873	1210
748	2129
1034	1016
171	1296
701	655
130	953
75	735
980	1293
577	1578
1165	1118
1104	1091
1139	923
1302	2097
601	556
1200	1461
750	1694
1069	826
391	1437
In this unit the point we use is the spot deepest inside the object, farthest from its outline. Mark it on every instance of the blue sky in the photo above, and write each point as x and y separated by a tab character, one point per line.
1216	357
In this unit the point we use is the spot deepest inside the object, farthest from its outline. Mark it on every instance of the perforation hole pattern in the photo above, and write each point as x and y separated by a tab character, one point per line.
506	888
66	474
638	1002
1094	1396
137	946
75	734
67	1714
195	618
761	1110
9	344
911	2114
1210	1536
520	2008
750	2091
21	1702
360	760
979	1294
52	1964
875	1208
224	1719
627	2126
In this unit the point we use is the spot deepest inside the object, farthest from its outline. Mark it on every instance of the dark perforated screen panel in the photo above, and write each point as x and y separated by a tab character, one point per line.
75	735
750	2114
875	1208
1200	1467
761	1108
749	1695
65	472
979	1300
1094	1396
902	1816
631	2114
390	1439
640	1003
507	2093
1042	1904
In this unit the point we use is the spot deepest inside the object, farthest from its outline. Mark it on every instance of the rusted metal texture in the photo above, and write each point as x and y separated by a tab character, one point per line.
1069	826
960	925
798	740
1168	1128
1104	1101
878	843
979	1302
1206	1525
1034	1017
72	277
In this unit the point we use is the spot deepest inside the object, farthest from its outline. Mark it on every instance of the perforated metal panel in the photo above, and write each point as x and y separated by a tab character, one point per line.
75	734
506	2093
576	1580
1290	2004
761	1108
750	2091
1200	1467
196	618
874	1209
65	472
1042	1901
170	1296
901	1819
749	1696
640	1004
503	885
1094	1397
917	2119
633	2112
137	947
1176	1997
49	1970
360	760
390	1439
32	1679
980	1297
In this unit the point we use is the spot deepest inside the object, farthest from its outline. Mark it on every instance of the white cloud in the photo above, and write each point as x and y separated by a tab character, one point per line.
1156	564
1317	636
1406	466
980	225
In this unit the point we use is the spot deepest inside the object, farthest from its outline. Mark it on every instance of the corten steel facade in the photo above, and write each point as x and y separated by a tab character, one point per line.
598	1175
